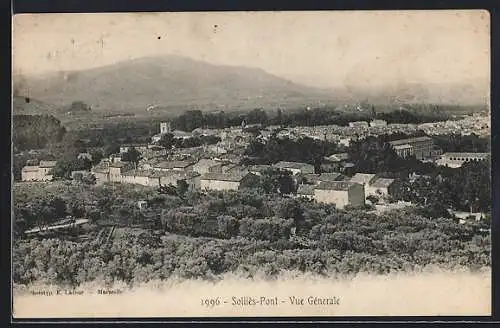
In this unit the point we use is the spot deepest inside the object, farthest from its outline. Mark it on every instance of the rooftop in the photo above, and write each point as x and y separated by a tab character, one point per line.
470	155
120	164
30	169
47	163
336	185
333	176
233	176
382	183
362	178
172	164
206	161
291	165
404	146
410	141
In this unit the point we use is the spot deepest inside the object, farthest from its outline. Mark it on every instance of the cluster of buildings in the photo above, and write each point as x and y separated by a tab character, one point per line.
217	167
334	188
478	124
422	148
40	172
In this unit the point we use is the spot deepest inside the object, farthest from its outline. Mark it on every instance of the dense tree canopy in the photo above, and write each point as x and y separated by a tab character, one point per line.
467	188
207	235
36	131
132	155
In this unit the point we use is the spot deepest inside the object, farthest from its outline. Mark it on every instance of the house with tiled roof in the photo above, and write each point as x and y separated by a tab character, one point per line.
204	164
305	191
312	178
340	193
373	185
363	178
40	172
226	181
173	166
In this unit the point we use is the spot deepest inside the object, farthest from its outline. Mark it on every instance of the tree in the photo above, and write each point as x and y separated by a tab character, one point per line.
36	131
291	209
373	199
62	169
97	156
167	141
132	155
111	147
281	181
182	188
89	179
317	165
279	116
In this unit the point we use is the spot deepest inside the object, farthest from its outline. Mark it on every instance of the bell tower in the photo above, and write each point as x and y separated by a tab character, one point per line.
165	127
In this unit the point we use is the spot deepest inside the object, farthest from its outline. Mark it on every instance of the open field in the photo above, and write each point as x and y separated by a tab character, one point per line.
430	293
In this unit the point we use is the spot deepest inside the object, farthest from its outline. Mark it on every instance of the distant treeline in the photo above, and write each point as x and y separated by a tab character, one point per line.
35	131
193	119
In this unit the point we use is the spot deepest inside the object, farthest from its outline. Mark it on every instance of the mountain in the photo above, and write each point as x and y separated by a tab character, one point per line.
165	81
467	93
174	84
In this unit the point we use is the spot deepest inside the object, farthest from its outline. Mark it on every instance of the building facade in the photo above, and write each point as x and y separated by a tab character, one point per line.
165	127
226	181
455	160
340	193
421	147
41	172
378	123
173	166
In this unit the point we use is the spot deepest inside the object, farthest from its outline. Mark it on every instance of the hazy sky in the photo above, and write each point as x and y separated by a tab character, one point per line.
323	48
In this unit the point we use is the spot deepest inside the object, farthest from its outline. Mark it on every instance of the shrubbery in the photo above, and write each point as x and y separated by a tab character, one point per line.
206	235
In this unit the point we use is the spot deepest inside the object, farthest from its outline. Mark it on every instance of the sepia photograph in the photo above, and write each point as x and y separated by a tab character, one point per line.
251	164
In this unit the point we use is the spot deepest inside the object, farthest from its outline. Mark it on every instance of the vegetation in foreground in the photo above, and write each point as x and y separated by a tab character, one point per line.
207	235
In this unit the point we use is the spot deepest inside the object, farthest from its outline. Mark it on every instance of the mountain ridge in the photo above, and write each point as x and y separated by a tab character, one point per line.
172	80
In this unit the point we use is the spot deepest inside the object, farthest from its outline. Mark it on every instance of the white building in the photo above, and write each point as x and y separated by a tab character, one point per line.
226	181
378	123
41	172
455	160
340	193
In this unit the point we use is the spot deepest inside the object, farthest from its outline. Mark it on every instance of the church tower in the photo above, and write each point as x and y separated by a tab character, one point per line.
165	127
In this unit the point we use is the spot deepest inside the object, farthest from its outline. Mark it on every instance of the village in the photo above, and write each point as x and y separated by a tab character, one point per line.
218	166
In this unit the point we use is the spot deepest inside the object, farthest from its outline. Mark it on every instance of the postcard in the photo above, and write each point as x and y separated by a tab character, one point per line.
251	164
